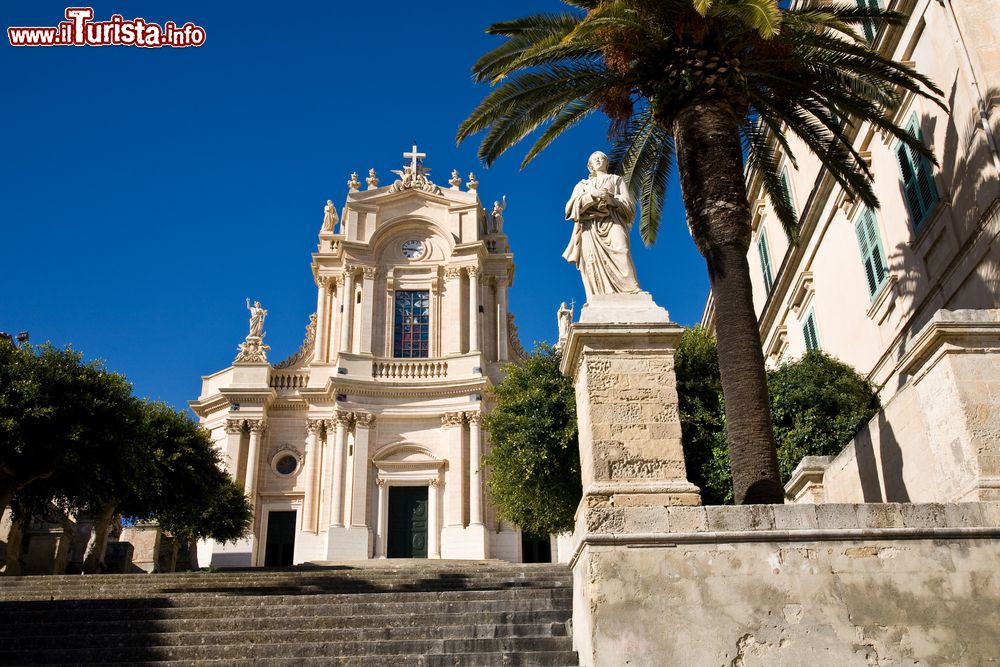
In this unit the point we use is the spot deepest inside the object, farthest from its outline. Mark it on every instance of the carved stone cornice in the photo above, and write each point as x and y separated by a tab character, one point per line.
364	419
452	272
452	419
306	349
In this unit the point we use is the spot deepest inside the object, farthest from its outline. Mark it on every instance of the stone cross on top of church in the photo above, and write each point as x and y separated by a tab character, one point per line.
415	159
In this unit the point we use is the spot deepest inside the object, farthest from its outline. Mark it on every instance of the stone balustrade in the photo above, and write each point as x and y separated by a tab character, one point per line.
415	369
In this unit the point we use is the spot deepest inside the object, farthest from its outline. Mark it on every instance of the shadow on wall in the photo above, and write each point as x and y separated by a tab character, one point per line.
929	266
888	459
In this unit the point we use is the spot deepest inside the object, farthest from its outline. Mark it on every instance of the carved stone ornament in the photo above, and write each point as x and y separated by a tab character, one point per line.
372	179
306	349
315	425
252	351
434	482
514	340
329	216
257	425
343	417
452	419
364	419
369	271
354	183
473	417
452	272
455	181
234	426
473	271
472	184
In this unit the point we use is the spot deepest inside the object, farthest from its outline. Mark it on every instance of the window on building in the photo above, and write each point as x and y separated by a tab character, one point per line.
810	332
765	262
872	252
869	27
918	178
411	329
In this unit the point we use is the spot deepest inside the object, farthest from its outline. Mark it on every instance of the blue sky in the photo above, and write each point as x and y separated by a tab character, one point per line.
145	193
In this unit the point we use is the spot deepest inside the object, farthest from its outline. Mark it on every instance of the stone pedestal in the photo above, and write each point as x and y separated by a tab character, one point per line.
349	543
621	358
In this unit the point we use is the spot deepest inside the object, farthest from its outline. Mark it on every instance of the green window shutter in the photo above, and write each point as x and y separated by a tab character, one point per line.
765	262
918	178
872	253
786	186
869	27
810	333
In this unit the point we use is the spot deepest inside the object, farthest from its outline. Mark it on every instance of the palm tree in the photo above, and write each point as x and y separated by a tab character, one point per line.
714	85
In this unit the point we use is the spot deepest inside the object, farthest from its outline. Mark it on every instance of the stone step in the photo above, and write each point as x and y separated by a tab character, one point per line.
141	609
40	626
519	659
136	635
388	649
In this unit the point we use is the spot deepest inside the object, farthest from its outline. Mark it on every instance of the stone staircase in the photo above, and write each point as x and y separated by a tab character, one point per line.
398	613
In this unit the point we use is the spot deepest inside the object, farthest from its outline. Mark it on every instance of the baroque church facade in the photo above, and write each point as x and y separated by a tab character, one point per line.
368	442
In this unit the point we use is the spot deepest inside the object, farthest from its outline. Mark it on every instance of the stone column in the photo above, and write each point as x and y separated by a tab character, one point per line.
322	326
257	428
367	308
473	272
383	517
336	317
364	424
433	527
234	437
337	486
475	478
327	472
451	331
452	422
309	504
347	306
502	335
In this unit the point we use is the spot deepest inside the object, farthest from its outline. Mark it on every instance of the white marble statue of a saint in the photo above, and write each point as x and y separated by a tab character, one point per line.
257	315
329	216
602	211
564	318
496	216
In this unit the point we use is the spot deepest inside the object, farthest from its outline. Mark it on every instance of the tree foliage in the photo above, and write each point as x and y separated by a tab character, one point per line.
817	405
72	435
534	462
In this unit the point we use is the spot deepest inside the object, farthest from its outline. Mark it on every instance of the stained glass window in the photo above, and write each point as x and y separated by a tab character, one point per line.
411	329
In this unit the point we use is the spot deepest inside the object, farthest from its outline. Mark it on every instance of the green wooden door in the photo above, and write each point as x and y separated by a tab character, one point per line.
279	549
407	523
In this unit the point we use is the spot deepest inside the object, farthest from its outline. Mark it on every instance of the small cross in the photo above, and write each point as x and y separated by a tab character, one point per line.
414	156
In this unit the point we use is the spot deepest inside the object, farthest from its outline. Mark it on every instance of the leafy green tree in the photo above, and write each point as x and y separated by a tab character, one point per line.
56	412
714	85
534	475
817	404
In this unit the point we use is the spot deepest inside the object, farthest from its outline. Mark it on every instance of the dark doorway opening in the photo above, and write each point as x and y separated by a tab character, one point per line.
407	524
280	547
536	548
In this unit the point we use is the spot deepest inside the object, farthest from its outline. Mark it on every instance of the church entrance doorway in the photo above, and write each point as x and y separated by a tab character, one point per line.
536	548
407	522
280	545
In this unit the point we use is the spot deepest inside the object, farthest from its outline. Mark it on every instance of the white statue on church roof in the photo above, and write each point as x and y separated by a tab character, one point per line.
414	174
329	216
496	216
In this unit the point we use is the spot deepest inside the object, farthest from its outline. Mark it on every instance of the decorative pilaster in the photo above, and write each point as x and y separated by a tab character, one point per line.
310	507
234	436
475	477
343	420
452	334
383	517
322	318
257	428
473	272
364	424
368	307
452	423
433	528
347	306
502	336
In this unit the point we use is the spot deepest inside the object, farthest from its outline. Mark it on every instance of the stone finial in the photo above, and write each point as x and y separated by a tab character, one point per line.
372	180
472	184
455	181
354	183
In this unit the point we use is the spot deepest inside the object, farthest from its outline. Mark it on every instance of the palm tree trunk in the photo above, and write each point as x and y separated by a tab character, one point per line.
710	165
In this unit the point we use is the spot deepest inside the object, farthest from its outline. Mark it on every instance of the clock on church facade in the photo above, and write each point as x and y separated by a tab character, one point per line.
380	410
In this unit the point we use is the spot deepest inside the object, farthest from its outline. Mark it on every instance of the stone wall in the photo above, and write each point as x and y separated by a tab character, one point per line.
868	584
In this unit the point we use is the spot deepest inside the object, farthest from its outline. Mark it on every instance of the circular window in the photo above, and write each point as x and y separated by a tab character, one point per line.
286	464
